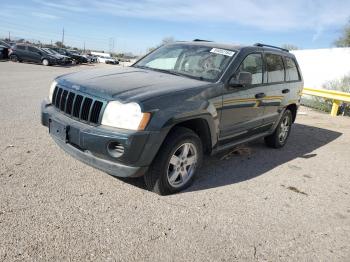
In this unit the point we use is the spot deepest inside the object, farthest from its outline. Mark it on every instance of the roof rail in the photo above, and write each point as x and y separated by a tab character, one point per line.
201	40
276	47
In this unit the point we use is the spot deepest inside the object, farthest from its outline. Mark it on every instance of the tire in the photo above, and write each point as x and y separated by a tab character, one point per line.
170	171
45	62
280	136
14	58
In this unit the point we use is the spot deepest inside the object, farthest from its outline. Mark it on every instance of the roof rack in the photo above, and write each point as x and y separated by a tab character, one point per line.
201	40
276	47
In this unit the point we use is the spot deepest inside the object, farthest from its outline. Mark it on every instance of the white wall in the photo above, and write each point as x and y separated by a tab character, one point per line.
101	54
321	65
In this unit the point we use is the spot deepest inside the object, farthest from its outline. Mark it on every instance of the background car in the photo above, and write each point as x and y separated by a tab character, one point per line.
91	58
28	53
78	59
107	60
63	59
3	52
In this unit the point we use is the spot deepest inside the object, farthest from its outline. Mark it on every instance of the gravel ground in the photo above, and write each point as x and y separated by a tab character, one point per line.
258	204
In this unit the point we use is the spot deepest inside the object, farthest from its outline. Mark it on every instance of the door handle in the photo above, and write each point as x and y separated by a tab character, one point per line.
260	95
285	91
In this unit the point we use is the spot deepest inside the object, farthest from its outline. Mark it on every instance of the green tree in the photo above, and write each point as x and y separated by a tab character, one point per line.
344	40
59	44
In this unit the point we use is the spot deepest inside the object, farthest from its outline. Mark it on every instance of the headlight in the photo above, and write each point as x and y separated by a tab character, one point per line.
126	116
52	88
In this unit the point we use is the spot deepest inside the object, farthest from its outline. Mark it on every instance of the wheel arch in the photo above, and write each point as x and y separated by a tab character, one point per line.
203	126
293	108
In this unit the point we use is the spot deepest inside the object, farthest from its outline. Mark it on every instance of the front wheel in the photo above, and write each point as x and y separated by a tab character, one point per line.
176	163
45	62
279	137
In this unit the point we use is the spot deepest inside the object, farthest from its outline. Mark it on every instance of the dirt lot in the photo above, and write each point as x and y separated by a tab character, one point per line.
259	204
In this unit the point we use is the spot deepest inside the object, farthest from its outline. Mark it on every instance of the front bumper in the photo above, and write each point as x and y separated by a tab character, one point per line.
89	144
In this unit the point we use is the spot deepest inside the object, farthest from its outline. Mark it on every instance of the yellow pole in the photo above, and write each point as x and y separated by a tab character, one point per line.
335	108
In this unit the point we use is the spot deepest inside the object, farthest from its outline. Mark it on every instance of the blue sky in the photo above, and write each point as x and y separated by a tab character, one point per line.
137	25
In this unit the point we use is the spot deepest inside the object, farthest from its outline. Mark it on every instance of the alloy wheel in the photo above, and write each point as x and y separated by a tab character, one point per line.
182	165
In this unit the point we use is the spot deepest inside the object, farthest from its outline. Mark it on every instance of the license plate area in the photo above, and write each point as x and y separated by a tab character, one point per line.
58	130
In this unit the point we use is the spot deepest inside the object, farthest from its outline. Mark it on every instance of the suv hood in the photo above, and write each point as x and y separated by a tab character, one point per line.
127	83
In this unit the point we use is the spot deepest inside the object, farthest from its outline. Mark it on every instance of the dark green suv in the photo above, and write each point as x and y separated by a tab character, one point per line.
158	117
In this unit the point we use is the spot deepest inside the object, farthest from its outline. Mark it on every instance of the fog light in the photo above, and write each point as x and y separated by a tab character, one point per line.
115	149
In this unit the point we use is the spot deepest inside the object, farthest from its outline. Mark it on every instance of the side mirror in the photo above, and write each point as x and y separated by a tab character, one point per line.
241	80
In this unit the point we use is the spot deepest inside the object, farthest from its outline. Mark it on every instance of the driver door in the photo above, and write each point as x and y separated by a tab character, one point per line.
34	54
241	113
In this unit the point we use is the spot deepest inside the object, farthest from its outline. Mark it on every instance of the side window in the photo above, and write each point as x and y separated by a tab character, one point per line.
253	64
20	47
32	49
274	68
292	73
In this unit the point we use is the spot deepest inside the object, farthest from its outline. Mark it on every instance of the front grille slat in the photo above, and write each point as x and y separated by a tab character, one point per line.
77	105
54	95
58	98
85	109
63	100
69	105
95	111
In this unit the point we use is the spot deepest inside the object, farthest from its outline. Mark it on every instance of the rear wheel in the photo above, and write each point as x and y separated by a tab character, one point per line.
279	137
45	62
176	163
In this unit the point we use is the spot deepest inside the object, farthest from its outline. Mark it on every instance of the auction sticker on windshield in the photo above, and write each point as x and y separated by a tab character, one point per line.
222	52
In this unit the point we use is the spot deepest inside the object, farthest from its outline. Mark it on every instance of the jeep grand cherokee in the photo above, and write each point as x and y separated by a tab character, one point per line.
158	117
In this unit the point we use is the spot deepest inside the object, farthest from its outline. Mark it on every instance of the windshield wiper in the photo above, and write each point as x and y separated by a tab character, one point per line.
172	72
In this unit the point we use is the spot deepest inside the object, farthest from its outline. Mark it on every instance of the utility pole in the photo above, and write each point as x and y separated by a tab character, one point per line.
111	44
62	37
9	36
84	47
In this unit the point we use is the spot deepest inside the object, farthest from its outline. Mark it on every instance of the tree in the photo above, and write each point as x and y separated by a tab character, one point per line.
344	40
290	47
59	44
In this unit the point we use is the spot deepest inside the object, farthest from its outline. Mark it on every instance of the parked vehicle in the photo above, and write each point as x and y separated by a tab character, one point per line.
78	59
4	52
91	58
158	117
5	43
107	60
28	53
62	59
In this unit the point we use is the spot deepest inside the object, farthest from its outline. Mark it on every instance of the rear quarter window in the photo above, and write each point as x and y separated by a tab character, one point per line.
292	73
274	68
32	49
21	47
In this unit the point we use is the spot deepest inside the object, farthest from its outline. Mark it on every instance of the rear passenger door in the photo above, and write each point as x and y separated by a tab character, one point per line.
34	54
22	52
275	87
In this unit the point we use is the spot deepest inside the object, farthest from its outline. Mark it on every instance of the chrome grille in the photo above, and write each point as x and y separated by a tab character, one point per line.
84	108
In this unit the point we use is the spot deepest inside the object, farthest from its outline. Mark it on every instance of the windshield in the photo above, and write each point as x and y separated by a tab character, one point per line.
48	51
199	62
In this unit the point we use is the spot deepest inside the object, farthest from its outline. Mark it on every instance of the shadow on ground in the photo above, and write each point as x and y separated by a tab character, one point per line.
257	159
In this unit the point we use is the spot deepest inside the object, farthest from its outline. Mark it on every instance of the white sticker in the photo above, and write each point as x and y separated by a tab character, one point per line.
222	52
